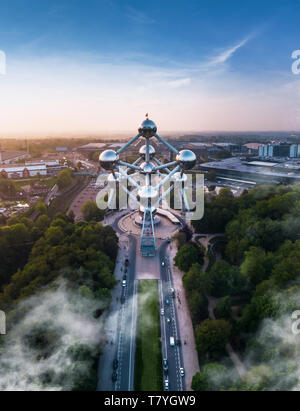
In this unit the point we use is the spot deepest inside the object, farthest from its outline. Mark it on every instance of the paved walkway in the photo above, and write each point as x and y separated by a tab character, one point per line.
190	355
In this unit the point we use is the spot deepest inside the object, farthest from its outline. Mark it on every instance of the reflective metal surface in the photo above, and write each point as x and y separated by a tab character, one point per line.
108	159
147	167
143	151
147	192
148	128
187	159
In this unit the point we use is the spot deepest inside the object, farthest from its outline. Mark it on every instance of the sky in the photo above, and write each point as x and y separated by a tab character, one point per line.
94	66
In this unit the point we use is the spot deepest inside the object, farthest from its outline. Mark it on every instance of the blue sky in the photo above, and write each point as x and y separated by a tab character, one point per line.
193	64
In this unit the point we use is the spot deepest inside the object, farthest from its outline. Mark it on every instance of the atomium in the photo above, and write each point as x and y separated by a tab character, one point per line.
148	195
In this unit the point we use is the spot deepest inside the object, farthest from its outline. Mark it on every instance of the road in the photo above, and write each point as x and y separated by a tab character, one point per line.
121	325
127	326
170	329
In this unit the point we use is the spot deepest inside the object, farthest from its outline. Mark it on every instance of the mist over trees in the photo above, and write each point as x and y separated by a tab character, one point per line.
72	264
257	277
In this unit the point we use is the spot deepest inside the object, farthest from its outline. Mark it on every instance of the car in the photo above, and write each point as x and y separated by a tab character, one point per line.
163	263
162	311
124	277
166	385
126	262
178	343
168	241
165	366
114	376
115	364
168	320
182	373
124	283
172	342
167	301
172	291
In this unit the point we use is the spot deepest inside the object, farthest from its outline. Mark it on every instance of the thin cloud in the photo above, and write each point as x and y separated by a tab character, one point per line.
227	54
179	82
138	16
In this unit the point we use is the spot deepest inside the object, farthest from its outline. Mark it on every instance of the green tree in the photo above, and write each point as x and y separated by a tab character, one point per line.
42	223
212	377
64	179
91	212
257	265
223	308
211	338
188	255
41	207
225	280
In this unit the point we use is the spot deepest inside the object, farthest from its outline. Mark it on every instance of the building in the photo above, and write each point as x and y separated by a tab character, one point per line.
255	171
61	149
230	147
23	171
251	148
53	167
279	150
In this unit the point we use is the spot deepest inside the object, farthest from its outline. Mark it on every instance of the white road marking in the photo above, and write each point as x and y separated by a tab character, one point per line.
173	308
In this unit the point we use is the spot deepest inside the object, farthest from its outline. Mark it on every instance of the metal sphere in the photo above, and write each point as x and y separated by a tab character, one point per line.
108	159
148	128
147	193
142	210
147	167
143	151
187	159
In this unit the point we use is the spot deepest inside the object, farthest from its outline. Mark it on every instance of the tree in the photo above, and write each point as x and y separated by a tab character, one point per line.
223	308
259	308
91	212
212	377
188	255
195	279
257	265
42	223
54	236
225	280
41	207
211	338
64	179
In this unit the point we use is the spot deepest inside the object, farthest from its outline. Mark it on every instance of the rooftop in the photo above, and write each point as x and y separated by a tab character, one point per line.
270	169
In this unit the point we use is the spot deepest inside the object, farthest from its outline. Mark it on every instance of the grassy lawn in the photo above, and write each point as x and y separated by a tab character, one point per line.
148	357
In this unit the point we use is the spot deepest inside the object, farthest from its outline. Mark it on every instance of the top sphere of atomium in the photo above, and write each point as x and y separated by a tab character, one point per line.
108	159
148	128
143	151
187	159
